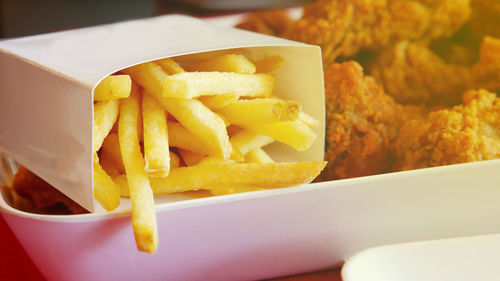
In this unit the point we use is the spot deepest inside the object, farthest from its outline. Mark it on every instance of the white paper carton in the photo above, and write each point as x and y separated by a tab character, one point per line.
47	82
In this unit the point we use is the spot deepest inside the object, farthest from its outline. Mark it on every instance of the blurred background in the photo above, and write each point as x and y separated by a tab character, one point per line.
28	17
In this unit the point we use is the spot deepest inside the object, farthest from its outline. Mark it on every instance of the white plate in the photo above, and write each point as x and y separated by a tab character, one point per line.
461	259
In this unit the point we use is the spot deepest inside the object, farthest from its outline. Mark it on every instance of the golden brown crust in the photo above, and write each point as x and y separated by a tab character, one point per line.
412	74
343	27
274	22
464	133
362	122
41	194
486	72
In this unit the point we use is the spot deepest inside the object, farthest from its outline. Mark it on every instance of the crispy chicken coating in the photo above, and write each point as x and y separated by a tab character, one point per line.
273	22
486	72
464	133
413	74
41	194
344	27
362	122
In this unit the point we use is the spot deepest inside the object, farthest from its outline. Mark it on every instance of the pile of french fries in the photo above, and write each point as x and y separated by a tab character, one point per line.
196	122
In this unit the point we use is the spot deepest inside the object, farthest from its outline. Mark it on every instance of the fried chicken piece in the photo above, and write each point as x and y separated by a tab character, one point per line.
362	122
43	196
486	72
273	22
343	27
464	133
485	18
412	74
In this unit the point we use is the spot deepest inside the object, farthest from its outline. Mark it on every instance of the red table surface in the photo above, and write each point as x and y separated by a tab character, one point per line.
15	264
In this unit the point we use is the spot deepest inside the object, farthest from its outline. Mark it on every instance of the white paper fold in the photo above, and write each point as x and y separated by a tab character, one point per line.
46	84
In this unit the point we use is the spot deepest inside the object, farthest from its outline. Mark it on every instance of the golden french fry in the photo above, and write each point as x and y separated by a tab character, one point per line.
308	120
257	155
264	175
194	84
156	152
105	115
175	162
248	112
192	114
293	133
223	190
169	66
245	140
113	87
141	195
201	122
111	147
180	137
226	123
149	75
200	56
218	101
210	160
236	154
268	64
106	191
108	164
225	63
189	157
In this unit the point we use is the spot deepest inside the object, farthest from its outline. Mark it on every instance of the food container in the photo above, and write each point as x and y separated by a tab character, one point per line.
458	259
46	124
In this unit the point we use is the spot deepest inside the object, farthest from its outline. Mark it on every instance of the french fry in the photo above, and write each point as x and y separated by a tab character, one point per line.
257	155
180	137
169	66
218	101
141	195
149	75
210	160
248	112
194	84
293	133
308	120
192	114
223	190
175	162
108	164
244	141
268	64
106	191
201	122
111	147
113	87
189	157
225	63
156	152
236	154
105	115
265	175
